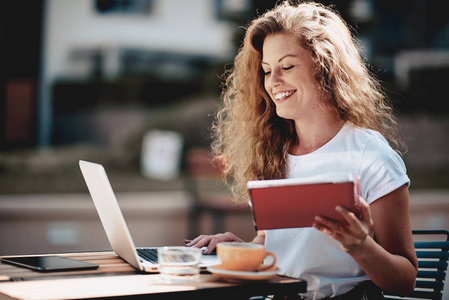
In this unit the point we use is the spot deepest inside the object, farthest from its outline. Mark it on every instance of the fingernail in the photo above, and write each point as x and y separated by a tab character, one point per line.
318	218
340	208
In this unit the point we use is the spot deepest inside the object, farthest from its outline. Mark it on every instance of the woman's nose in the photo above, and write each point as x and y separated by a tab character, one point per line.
275	78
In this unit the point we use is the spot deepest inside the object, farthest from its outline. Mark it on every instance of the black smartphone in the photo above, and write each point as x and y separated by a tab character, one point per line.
49	263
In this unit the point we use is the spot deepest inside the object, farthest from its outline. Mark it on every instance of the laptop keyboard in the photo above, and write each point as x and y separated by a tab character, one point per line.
149	254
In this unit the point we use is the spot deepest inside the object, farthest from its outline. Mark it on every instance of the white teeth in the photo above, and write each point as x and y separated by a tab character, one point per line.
283	95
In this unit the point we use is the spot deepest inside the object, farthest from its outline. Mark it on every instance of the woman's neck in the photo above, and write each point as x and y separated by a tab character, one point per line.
314	133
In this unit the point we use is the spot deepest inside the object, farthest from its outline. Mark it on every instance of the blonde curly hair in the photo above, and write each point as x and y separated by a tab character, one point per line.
250	140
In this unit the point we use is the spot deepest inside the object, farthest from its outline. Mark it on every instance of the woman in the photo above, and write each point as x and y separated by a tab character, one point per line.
301	102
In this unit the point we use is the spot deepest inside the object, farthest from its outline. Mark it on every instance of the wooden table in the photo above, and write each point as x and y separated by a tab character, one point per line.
116	279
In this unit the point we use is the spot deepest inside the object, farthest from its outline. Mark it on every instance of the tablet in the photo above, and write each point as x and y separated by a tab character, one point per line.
49	263
294	202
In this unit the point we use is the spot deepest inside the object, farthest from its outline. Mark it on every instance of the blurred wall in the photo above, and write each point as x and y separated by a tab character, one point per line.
83	42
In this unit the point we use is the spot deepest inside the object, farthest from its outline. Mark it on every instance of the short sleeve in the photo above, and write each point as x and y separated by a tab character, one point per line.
382	170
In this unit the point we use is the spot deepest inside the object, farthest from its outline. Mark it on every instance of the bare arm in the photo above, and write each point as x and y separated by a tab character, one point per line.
388	257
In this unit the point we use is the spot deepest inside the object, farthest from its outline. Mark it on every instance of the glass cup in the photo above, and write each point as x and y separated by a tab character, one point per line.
179	264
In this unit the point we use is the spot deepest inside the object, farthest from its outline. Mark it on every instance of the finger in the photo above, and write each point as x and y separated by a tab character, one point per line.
365	211
348	215
192	242
208	250
218	238
203	243
319	227
198	241
358	228
330	225
212	245
328	231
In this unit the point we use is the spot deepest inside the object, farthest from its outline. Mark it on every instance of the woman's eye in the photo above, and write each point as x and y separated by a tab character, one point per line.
266	73
287	68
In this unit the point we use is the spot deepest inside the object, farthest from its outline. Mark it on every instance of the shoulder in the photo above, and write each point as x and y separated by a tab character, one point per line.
363	135
381	169
369	141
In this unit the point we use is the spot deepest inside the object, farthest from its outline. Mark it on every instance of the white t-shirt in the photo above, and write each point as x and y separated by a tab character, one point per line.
312	255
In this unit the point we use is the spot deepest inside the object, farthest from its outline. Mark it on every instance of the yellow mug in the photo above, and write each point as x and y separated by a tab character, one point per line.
246	257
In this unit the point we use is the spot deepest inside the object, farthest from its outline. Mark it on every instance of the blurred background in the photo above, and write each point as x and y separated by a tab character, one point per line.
133	85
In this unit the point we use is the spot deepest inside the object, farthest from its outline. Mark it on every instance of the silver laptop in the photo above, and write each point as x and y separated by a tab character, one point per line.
143	259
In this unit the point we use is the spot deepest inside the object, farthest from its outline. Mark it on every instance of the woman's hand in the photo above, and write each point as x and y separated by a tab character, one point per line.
351	235
390	260
210	241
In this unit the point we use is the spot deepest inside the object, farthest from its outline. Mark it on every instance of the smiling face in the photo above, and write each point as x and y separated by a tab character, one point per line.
289	77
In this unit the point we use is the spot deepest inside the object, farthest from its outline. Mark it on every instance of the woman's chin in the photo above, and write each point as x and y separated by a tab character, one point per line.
282	113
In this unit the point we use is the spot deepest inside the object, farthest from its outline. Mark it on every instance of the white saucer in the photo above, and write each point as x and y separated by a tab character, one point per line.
241	275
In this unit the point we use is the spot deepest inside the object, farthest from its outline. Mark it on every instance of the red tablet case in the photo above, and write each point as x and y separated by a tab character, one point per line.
285	203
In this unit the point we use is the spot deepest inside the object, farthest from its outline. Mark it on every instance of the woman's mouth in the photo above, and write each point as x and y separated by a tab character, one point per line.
278	97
